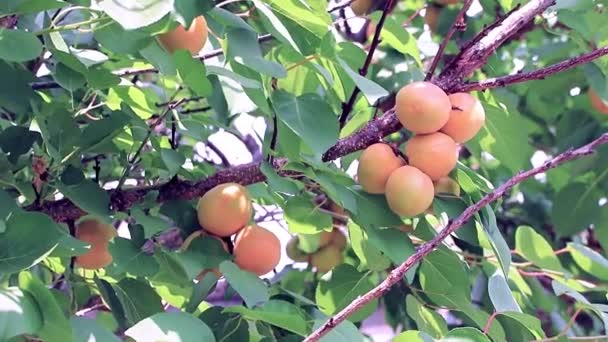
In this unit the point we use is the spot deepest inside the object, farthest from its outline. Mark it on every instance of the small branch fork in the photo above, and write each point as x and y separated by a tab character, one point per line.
348	106
456	25
398	273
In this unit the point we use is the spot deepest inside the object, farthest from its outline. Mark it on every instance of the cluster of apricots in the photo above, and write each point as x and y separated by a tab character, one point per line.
225	211
193	39
98	235
329	254
439	122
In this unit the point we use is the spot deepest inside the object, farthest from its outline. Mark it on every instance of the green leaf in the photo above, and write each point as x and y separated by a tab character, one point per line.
137	298
413	336
370	257
101	131
86	329
128	258
132	15
345	285
19	46
426	319
371	90
372	210
201	290
88	196
141	103
243	48
118	40
312	16
28	238
173	160
192	72
535	248
396	36
251	288
278	313
17	140
277	183
108	294
69	246
500	293
30	6
309	116
188	10
274	25
227	327
443	273
19	313
589	260
173	326
466	334
392	242
575	208
152	224
304	217
531	323
56	326
203	253
159	58
499	245
16	94
67	78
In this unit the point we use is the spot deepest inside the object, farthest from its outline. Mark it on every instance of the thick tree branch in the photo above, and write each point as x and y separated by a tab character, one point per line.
533	75
458	22
398	273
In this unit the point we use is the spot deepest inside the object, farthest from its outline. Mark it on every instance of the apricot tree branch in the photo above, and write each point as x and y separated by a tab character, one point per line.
398	273
457	24
348	106
533	75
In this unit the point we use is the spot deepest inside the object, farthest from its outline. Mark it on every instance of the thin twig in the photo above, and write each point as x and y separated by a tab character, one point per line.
566	328
340	6
348	106
456	25
398	273
219	153
533	75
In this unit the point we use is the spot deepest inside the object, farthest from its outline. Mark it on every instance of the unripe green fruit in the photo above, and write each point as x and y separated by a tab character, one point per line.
376	164
409	192
422	107
435	154
466	118
225	209
293	252
326	258
446	185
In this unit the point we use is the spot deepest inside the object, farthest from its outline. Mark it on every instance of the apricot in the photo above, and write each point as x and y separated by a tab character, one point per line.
257	250
597	102
338	239
225	209
192	39
409	191
98	235
466	118
361	7
295	253
326	258
431	17
446	185
376	164
422	107
434	154
325	238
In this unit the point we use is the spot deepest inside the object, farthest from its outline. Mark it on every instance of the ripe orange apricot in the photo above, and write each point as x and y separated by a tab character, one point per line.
361	7
257	250
97	235
326	258
434	154
376	164
293	252
422	107
409	191
466	117
338	239
597	103
225	209
192	40
446	185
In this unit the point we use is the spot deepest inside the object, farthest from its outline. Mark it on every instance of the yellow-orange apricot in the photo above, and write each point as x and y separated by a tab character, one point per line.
597	103
257	250
338	239
376	164
361	7
225	209
422	107
434	154
466	118
446	185
295	253
409	191
326	258
98	235
192	39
